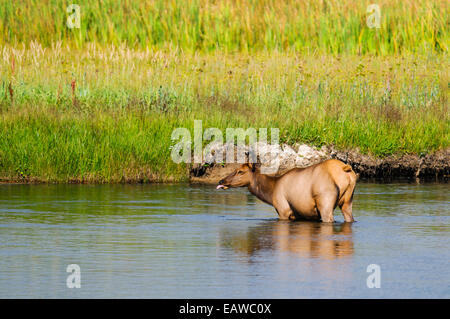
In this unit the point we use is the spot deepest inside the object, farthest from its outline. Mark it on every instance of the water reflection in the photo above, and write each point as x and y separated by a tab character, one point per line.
304	239
191	241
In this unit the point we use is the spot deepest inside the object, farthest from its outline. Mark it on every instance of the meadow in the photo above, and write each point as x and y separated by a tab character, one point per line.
308	26
99	103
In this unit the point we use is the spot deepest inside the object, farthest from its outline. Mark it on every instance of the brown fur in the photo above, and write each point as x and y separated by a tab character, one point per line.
302	193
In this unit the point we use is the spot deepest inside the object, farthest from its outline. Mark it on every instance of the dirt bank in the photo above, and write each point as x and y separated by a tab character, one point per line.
431	167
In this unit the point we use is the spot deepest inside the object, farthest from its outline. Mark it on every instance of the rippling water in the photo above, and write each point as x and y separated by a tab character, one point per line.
191	241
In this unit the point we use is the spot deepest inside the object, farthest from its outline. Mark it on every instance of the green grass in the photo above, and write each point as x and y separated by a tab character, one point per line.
106	114
99	103
309	26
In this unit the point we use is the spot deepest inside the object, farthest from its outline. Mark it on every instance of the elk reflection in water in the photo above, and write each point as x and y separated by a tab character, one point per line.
304	239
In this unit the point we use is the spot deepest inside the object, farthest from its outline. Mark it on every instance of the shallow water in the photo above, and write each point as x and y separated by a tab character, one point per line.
191	241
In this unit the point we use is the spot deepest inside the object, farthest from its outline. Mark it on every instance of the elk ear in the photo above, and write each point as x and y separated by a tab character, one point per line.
250	157
253	166
256	165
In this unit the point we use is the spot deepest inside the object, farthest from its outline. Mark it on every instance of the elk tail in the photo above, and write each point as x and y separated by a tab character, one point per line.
347	168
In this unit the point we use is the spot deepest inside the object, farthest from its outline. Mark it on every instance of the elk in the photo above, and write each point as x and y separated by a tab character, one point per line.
310	193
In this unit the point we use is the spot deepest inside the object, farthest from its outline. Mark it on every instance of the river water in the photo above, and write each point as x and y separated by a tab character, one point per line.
193	241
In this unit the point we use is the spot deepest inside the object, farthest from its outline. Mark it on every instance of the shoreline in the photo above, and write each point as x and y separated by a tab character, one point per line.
433	167
407	167
94	122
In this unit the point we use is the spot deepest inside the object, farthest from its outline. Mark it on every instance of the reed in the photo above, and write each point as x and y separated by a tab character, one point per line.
308	26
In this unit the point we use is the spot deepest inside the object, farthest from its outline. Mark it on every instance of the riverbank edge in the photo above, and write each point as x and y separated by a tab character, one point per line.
434	167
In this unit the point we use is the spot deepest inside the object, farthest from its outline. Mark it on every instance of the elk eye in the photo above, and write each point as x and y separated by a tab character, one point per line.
240	172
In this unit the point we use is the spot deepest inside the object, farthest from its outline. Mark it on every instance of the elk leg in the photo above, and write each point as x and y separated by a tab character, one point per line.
346	203
284	210
325	205
346	209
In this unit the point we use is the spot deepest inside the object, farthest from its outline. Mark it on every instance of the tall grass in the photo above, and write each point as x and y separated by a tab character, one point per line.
107	113
99	103
311	26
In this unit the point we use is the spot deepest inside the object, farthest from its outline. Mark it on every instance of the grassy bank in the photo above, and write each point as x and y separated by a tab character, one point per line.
105	114
308	26
99	103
